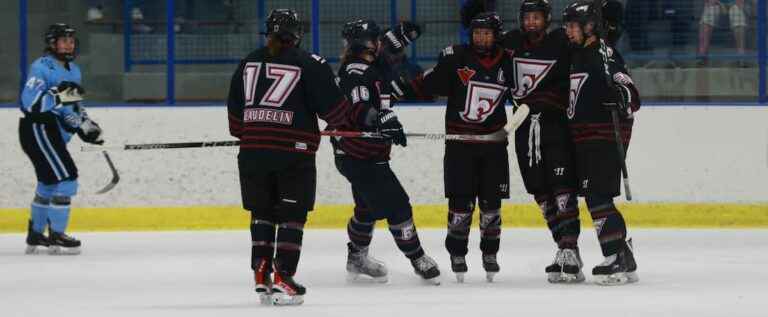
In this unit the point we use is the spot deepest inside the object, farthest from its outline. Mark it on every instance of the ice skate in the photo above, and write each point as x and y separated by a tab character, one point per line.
37	243
286	292
361	265
263	279
427	268
566	268
62	244
491	266
459	267
617	269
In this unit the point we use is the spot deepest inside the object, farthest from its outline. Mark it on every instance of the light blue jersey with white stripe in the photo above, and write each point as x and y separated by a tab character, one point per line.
45	73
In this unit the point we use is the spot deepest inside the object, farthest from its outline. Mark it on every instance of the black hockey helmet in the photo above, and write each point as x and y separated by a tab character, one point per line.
487	20
56	31
285	25
535	6
613	20
360	35
583	12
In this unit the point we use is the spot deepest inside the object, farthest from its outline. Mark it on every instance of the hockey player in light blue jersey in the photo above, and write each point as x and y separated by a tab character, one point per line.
51	104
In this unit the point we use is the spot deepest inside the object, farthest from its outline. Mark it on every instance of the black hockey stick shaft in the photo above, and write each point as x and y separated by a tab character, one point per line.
614	112
494	137
115	176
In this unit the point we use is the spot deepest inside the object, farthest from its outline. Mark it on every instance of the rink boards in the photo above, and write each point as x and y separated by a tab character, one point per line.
644	215
690	166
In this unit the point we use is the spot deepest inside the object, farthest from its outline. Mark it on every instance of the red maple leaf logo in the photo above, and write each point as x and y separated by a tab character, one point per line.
465	74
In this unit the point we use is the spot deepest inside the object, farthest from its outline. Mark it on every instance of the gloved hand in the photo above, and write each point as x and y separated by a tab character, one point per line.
390	127
616	99
67	92
90	132
401	36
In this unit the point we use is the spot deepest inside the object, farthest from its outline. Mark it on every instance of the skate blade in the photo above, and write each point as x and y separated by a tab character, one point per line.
489	276
363	278
287	300
432	281
58	250
459	277
617	279
565	278
265	298
36	250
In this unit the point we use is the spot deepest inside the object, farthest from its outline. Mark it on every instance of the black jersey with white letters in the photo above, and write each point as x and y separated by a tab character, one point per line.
541	71
589	89
476	89
361	81
274	101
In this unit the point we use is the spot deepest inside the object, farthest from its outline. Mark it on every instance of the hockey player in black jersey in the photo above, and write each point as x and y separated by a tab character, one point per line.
474	77
600	84
377	192
275	97
541	60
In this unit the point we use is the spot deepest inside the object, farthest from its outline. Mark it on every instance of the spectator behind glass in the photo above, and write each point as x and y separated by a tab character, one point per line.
735	9
679	13
97	8
638	14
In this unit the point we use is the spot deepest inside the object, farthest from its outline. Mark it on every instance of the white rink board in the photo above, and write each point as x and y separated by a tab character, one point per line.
677	154
699	273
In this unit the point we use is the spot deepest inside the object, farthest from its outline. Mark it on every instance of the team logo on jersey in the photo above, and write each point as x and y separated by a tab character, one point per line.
562	201
599	223
528	75
482	100
465	74
577	82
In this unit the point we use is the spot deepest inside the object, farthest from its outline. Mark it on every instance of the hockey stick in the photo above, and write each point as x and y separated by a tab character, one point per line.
115	176
614	111
160	146
496	136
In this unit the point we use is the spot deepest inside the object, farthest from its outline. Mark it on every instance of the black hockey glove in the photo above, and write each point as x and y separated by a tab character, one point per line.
402	35
390	127
90	132
616	99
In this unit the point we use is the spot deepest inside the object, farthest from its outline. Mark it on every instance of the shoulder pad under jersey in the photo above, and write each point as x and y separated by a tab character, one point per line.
356	68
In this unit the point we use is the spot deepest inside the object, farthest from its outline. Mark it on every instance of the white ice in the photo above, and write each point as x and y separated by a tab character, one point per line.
682	273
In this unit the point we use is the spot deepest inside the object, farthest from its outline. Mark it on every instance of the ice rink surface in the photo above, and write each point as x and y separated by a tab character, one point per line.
682	273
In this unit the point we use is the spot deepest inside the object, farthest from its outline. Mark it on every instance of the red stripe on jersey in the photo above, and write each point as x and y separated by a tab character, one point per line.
367	144
336	114
248	138
277	147
315	137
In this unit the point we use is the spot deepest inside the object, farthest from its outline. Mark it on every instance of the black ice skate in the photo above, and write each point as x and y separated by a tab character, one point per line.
285	291
459	267
263	278
617	269
426	267
37	242
566	268
491	266
360	264
62	244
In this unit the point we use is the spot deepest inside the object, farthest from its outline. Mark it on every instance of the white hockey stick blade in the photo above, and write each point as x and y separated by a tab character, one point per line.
115	176
517	118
